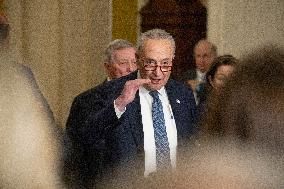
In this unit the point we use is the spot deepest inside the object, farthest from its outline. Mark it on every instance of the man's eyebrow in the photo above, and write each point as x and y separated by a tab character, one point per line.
125	59
149	58
165	59
156	60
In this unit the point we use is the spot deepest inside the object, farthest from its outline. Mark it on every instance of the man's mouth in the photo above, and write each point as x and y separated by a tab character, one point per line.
155	81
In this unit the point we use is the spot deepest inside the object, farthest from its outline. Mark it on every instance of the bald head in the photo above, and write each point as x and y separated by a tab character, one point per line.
204	54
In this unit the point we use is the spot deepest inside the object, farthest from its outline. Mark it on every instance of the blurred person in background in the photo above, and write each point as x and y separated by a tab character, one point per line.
204	54
219	72
250	106
30	142
215	164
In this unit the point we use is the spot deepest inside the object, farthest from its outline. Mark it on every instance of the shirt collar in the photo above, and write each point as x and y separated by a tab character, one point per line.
108	79
200	75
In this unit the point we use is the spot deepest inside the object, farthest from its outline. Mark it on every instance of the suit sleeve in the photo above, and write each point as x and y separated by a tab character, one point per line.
89	118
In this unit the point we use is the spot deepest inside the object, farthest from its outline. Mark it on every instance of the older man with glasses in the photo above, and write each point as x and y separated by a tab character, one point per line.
144	118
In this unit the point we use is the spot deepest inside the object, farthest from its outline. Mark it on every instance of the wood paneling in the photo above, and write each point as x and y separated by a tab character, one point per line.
184	19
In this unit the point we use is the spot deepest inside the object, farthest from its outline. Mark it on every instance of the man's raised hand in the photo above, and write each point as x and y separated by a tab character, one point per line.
128	92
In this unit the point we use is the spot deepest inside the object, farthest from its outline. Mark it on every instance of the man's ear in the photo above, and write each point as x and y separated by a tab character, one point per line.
107	65
138	60
108	68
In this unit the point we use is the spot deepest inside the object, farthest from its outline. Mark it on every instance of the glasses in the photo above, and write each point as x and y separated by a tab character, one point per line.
123	63
151	65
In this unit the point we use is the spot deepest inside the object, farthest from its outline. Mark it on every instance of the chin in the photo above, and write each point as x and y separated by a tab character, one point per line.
153	87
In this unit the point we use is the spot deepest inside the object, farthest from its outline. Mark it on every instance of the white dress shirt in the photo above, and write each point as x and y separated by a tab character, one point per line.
149	139
200	77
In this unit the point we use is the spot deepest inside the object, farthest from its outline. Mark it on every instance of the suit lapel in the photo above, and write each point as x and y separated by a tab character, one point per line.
136	120
176	105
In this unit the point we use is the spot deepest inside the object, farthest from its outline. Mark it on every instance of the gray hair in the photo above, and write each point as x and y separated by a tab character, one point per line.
114	45
155	34
213	47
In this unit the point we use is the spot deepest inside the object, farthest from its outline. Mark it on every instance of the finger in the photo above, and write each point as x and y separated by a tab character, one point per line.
139	82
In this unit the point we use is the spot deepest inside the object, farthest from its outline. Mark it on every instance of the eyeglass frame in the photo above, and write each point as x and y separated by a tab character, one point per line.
155	66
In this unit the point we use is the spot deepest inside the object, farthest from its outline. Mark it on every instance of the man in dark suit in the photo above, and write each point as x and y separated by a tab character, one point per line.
29	138
111	126
204	54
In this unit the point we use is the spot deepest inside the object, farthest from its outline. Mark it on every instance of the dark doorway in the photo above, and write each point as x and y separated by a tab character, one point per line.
184	19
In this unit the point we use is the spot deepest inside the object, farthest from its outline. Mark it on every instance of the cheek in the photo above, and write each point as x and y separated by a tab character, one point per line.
112	70
134	66
197	60
143	74
119	69
166	78
219	82
208	62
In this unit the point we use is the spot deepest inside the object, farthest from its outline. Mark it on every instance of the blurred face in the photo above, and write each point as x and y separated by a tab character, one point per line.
123	63
222	74
203	56
155	62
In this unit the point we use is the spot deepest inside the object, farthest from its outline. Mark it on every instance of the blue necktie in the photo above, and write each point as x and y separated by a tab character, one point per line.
161	140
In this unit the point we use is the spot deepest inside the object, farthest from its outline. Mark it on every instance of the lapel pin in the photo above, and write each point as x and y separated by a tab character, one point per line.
177	100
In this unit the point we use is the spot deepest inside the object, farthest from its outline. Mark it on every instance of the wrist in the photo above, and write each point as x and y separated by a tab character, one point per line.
120	104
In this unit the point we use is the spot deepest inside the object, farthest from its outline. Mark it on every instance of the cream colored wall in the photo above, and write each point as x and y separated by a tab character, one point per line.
237	27
34	41
85	31
61	41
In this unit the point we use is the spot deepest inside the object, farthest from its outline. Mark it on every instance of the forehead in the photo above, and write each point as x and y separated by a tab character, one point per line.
225	68
125	52
157	48
203	48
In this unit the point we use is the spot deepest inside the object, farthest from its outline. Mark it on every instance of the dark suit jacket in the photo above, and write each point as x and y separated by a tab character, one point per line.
189	75
192	75
28	131
101	137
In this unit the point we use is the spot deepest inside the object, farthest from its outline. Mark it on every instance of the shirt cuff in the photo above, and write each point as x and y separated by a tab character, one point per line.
117	111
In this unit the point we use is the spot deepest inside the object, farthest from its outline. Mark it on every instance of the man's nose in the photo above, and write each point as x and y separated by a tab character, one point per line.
158	71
